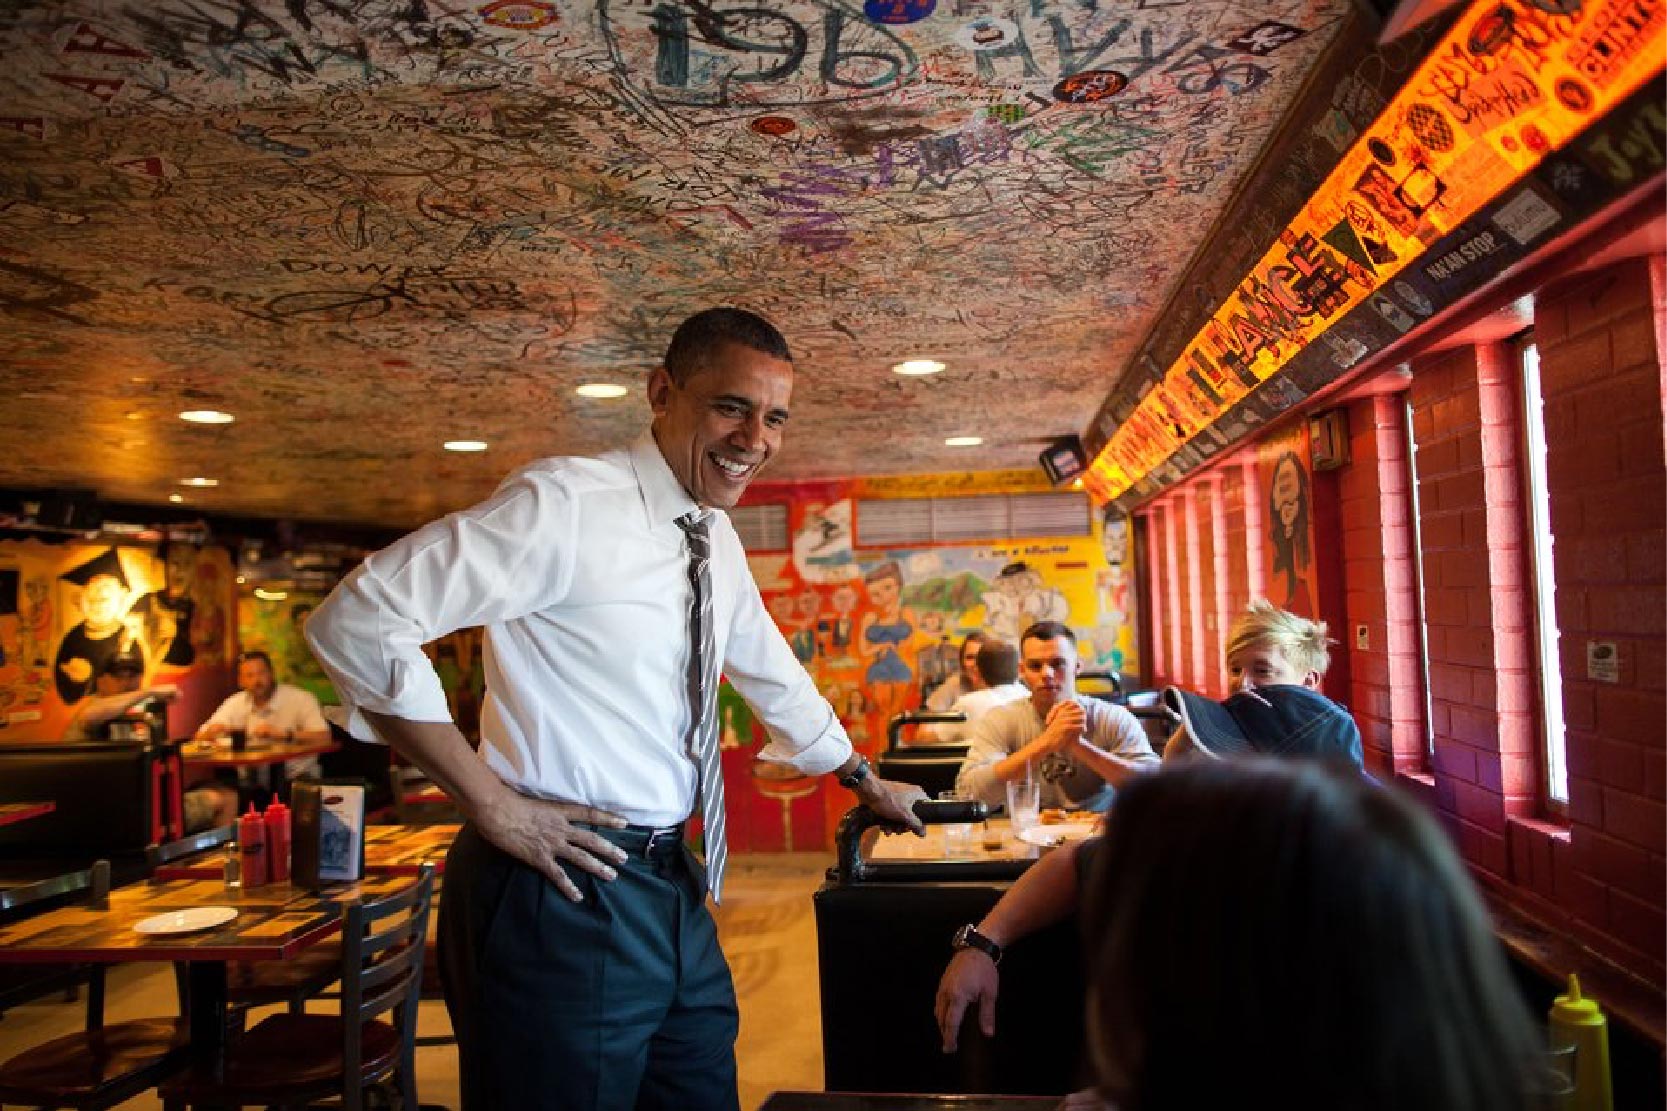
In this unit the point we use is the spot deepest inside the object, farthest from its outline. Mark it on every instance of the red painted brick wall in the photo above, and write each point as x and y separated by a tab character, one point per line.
1360	511
1601	376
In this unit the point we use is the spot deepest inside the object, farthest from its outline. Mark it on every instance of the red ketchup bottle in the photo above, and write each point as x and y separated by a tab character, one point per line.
251	837
277	842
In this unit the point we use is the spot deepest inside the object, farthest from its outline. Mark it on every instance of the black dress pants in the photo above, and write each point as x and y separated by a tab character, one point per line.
622	1002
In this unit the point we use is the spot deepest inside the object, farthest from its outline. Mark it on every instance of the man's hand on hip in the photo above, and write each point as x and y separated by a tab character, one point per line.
541	834
970	978
893	802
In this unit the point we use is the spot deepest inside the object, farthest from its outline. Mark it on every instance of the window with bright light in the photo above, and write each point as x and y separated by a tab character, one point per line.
1415	516
1545	585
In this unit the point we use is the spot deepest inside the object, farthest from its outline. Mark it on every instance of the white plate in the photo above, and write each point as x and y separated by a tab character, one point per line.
1046	837
186	921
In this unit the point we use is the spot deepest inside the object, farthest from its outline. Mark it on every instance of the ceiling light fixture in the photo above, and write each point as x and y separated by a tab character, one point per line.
199	482
916	368
176	498
206	416
464	445
605	391
963	441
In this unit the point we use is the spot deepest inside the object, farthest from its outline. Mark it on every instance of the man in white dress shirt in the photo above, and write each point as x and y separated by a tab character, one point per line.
580	962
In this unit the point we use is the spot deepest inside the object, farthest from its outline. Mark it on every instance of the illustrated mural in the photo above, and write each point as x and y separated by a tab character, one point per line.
880	628
1284	468
67	611
367	228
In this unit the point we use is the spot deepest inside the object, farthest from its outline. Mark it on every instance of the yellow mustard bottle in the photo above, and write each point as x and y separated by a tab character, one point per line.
1577	1021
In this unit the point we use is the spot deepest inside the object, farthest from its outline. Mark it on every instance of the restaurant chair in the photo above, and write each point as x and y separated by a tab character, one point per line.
291	1060
932	768
99	1066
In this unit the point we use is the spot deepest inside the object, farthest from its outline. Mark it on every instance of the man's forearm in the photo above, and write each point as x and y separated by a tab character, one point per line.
440	750
1045	894
1115	770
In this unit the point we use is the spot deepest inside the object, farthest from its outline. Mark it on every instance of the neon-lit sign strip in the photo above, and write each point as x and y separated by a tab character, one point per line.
1511	82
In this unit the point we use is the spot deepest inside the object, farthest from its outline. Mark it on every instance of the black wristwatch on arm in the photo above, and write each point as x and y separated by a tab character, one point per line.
852	779
968	937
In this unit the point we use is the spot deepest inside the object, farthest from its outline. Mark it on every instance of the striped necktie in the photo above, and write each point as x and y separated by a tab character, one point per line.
703	699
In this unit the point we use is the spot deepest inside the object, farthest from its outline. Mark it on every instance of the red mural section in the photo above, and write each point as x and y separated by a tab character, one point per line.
880	629
67	611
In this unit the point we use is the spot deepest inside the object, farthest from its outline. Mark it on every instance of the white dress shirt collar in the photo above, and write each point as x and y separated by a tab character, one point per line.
664	499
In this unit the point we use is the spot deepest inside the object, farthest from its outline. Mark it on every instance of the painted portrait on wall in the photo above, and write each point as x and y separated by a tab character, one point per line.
67	611
1285	467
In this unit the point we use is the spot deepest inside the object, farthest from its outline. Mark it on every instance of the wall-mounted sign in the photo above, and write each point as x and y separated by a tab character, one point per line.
1603	662
1511	83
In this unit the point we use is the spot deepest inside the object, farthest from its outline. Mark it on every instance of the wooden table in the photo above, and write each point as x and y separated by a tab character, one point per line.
11	812
272	755
990	840
390	850
274	922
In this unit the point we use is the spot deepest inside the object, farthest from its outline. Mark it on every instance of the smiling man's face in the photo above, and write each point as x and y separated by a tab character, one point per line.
718	428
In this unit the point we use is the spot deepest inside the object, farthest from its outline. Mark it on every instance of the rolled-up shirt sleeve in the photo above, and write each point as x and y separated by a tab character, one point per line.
498	560
805	733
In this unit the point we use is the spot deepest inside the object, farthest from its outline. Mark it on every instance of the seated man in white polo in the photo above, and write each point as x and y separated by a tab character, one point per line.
269	712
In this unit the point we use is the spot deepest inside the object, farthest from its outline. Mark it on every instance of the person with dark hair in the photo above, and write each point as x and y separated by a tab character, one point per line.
1081	751
965	680
580	963
269	711
1288	522
997	666
118	688
1279	933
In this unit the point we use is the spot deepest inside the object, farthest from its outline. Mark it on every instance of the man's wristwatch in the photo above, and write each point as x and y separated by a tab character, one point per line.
968	937
856	775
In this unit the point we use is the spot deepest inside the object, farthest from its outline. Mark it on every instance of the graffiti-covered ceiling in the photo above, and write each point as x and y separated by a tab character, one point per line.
364	227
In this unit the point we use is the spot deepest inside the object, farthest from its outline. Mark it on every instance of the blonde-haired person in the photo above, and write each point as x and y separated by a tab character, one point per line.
1268	647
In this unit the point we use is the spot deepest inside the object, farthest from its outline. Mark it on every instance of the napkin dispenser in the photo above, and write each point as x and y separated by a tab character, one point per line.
328	838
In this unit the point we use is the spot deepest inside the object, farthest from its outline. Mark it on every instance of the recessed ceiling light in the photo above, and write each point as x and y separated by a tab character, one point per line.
206	416
963	441
915	368
465	445
199	482
602	390
266	595
176	498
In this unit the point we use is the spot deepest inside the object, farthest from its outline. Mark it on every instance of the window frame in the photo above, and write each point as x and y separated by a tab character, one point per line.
1551	724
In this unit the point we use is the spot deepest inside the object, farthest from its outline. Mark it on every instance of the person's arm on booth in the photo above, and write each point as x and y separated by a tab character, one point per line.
1045	894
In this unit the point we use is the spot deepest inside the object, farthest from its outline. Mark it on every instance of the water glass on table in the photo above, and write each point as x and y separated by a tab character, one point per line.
1024	803
957	836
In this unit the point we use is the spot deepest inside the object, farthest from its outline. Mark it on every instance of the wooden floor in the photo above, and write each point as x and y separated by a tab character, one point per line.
768	931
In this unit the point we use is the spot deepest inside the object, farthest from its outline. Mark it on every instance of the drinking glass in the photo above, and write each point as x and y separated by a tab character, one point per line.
1024	803
957	836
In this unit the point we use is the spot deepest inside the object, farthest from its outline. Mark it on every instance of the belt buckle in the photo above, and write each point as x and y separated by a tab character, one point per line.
659	837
